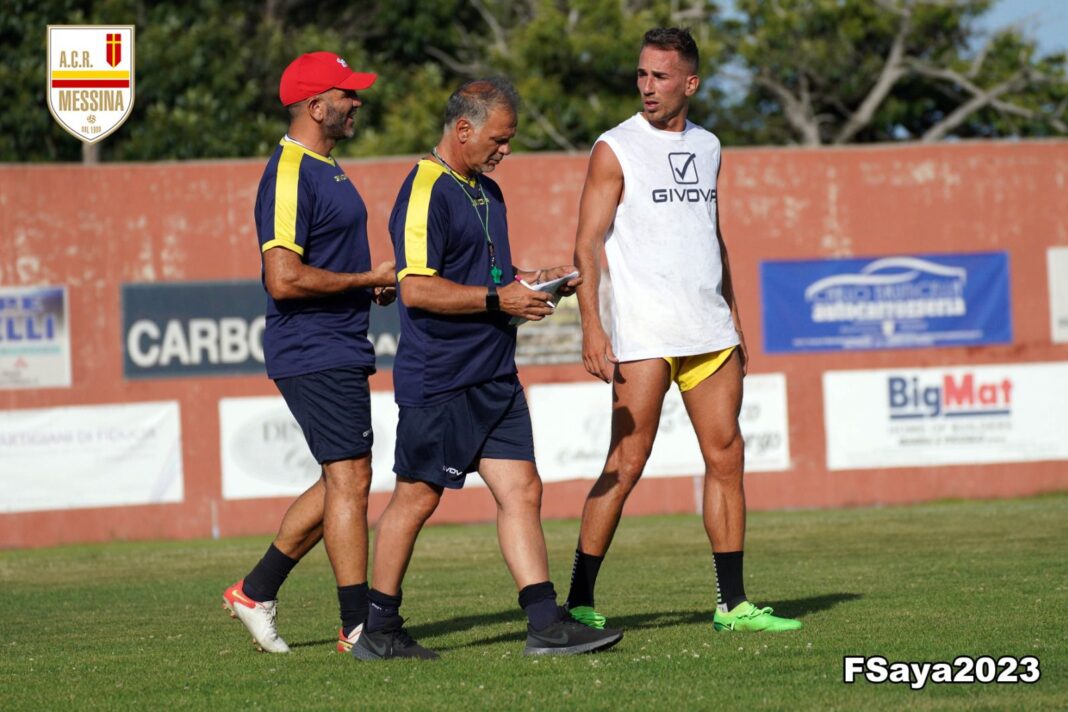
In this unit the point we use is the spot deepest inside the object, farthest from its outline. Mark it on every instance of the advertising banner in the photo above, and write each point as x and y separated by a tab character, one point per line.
1057	258
954	415
886	303
90	456
573	424
213	328
264	453
34	338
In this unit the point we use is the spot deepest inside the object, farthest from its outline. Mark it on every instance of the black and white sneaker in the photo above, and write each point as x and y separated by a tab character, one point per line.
569	637
389	644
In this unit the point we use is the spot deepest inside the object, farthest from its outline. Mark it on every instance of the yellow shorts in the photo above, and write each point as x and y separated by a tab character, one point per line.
690	371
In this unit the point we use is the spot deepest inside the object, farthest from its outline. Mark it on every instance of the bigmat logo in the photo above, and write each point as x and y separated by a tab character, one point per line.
948	397
90	78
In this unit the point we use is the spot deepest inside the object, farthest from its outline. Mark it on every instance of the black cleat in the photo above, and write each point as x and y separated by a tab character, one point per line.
389	644
569	637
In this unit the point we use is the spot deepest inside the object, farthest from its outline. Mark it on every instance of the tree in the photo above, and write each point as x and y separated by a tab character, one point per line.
843	71
809	71
572	60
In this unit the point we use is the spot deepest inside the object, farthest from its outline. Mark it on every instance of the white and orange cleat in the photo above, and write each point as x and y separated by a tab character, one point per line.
258	617
344	644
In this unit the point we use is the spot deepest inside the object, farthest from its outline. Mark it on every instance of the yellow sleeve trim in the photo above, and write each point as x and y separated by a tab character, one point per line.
415	219
288	245
422	271
285	199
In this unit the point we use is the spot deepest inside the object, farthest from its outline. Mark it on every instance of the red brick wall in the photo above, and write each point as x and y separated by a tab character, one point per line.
95	228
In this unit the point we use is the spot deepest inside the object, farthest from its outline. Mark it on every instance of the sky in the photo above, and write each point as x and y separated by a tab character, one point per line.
1045	20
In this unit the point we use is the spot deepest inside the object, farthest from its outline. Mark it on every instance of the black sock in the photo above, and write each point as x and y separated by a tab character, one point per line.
583	579
263	582
538	601
383	611
730	591
353	603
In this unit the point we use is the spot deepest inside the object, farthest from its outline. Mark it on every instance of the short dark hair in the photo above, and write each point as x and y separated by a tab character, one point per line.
674	38
476	98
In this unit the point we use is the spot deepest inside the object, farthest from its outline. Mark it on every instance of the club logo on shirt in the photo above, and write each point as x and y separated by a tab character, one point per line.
90	78
683	168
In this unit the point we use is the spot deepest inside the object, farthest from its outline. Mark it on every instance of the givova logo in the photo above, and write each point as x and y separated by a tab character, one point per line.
683	168
948	397
684	172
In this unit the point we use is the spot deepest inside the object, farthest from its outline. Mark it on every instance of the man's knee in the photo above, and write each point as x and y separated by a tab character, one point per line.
622	471
724	460
522	495
417	500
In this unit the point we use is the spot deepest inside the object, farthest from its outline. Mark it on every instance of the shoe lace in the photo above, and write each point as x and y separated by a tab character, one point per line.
401	637
756	612
272	613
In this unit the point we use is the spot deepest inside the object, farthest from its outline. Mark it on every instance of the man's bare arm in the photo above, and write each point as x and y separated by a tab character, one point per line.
597	209
287	277
728	283
443	296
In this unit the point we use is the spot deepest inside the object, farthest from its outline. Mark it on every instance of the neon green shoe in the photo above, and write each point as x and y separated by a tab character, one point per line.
587	616
747	617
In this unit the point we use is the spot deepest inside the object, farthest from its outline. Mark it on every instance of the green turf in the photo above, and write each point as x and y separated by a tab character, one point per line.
140	625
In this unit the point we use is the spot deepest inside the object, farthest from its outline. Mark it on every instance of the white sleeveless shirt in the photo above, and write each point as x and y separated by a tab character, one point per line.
663	254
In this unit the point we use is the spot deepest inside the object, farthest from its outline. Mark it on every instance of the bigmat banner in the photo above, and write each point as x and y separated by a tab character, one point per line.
955	415
886	303
90	456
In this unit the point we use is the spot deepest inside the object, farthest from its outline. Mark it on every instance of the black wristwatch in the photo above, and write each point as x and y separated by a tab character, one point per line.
493	302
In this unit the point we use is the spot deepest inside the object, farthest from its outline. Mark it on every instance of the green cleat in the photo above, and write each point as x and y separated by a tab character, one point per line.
588	617
747	617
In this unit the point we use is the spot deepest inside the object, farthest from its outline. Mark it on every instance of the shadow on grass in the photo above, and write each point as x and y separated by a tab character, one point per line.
313	643
792	608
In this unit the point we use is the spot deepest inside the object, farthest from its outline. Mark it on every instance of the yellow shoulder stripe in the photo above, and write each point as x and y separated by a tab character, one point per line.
415	220
285	200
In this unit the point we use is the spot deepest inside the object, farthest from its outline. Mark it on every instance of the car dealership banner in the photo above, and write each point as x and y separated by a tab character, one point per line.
34	338
573	425
90	456
890	302
953	415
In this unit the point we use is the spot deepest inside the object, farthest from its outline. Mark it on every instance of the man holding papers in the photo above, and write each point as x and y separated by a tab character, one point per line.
462	407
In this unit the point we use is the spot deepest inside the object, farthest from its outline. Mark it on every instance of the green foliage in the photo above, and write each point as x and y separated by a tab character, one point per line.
207	71
140	626
816	62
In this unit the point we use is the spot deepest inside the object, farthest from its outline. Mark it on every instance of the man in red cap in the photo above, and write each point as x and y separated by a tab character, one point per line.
312	229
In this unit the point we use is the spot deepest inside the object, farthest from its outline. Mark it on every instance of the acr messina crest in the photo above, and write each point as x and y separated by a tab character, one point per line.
90	78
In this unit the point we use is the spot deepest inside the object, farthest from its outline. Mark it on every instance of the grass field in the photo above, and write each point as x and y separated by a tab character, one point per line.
139	625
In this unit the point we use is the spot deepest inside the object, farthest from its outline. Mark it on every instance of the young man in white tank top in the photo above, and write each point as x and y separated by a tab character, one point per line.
650	200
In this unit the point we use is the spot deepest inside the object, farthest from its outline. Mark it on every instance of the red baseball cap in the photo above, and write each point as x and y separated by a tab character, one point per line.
315	72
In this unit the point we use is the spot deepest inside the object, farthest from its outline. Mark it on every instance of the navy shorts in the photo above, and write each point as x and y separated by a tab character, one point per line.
333	409
441	443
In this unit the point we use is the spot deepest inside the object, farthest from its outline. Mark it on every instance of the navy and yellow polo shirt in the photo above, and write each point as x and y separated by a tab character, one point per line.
307	204
436	231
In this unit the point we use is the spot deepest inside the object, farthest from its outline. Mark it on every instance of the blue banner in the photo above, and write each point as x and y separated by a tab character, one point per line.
886	303
212	328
